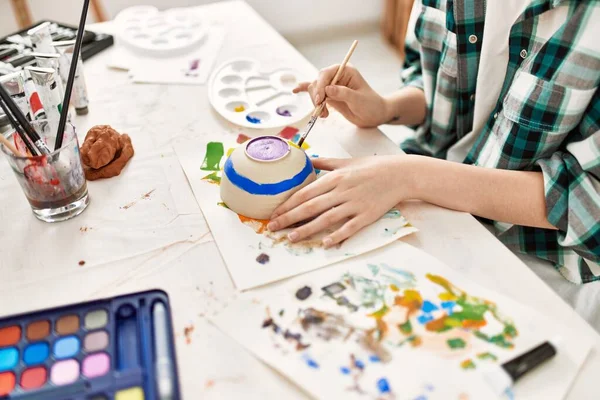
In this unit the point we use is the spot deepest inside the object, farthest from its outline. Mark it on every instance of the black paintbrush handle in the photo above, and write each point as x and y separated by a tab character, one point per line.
18	129
69	88
16	112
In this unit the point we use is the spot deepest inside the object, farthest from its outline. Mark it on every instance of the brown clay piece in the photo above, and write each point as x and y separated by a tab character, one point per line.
105	152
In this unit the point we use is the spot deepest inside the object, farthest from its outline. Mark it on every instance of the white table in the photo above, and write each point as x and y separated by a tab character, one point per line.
191	270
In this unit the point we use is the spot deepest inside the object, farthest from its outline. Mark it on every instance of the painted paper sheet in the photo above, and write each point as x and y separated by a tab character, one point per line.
397	324
253	255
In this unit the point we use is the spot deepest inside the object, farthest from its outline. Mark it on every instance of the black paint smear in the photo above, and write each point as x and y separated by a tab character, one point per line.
303	293
263	259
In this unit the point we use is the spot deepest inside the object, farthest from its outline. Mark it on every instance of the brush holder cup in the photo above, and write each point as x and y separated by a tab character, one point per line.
261	174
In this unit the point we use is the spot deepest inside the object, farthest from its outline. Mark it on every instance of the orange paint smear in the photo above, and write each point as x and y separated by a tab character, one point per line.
258	225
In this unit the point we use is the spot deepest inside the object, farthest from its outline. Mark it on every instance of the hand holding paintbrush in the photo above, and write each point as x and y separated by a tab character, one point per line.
319	109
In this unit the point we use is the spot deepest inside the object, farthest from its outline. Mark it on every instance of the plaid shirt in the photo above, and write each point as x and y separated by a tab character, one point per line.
547	117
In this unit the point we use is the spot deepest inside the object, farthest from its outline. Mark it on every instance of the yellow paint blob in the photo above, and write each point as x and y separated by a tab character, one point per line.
240	108
134	393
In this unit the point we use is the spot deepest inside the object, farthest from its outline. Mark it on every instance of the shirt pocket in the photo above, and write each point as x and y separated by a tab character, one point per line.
540	105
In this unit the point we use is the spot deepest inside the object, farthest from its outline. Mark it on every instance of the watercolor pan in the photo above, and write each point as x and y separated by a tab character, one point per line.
249	97
100	350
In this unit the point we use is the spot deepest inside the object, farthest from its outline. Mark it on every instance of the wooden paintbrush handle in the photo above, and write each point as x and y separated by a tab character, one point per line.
9	146
319	109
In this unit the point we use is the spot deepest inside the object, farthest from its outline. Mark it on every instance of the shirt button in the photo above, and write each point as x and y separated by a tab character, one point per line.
495	115
472	97
472	39
523	53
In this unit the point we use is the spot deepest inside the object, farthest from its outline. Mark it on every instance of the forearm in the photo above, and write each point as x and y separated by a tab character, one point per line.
515	197
407	106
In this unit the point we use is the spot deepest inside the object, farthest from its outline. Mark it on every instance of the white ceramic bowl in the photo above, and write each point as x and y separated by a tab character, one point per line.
263	173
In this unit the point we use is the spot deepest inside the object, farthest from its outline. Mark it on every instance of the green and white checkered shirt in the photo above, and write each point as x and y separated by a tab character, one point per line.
546	115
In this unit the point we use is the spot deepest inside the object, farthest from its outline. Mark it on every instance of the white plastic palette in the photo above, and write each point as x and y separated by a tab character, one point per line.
244	95
166	33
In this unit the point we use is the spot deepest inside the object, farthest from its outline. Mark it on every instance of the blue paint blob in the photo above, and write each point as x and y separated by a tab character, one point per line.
8	358
312	363
345	370
253	120
424	318
36	353
296	138
359	364
66	347
374	359
448	304
266	189
383	385
429	306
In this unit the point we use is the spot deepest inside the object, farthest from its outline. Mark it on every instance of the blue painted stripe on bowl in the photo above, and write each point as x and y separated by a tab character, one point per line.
266	189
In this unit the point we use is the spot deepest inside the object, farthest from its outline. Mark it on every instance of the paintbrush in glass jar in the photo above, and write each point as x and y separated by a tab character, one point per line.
319	109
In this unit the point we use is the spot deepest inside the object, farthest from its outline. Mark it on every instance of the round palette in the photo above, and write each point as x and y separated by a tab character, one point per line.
166	33
244	95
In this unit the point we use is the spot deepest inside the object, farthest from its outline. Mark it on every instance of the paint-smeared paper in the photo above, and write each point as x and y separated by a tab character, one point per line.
253	255
397	324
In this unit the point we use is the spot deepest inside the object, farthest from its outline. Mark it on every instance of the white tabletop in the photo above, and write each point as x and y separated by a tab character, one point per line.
174	250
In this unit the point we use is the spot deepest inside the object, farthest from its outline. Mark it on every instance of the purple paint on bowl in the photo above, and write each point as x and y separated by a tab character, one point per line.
267	148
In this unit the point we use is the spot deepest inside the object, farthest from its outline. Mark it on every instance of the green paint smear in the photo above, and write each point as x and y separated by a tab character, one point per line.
406	328
392	214
223	205
373	268
214	153
467	364
457	343
487	356
213	178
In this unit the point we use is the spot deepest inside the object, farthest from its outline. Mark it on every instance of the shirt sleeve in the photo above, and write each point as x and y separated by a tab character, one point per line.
572	186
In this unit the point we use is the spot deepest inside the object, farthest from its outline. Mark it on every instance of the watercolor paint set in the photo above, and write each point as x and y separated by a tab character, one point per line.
244	95
120	348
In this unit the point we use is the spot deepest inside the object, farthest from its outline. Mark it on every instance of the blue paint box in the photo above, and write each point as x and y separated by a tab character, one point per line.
120	348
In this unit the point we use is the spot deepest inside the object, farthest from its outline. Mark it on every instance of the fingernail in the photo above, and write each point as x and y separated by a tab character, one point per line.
293	236
318	99
272	226
327	242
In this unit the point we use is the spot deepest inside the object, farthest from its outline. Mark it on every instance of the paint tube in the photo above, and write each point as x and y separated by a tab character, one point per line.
79	94
47	60
45	82
15	86
41	38
35	103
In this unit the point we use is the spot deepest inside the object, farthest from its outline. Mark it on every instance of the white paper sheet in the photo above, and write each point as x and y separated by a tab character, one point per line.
320	343
172	70
241	245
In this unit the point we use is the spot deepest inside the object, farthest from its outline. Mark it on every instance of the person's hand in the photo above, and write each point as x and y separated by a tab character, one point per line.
351	96
356	192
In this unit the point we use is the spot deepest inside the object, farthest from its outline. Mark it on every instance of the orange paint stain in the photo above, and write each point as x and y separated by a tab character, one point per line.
258	225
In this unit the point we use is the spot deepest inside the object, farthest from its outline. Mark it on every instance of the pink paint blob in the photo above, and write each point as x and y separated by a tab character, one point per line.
267	148
96	365
64	372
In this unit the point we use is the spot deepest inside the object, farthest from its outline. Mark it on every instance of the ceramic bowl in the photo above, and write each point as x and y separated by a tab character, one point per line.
263	173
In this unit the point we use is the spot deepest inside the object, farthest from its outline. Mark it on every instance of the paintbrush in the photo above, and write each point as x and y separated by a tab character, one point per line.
319	109
18	129
9	146
18	114
69	88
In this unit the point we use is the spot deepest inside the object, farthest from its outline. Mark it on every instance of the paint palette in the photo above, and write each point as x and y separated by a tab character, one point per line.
120	348
244	95
171	32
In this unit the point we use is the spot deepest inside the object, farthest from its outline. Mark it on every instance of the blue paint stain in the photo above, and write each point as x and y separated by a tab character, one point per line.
296	137
317	171
345	370
253	120
448	304
421	397
424	318
429	306
311	363
266	189
359	364
429	387
384	386
374	359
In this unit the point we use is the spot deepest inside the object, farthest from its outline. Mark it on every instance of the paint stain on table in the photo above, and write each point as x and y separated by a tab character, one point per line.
263	259
187	332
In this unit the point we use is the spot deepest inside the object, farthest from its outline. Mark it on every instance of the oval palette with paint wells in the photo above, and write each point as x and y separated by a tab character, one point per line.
262	173
249	97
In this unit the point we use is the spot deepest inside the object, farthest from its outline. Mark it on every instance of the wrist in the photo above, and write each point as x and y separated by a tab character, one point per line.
390	110
410	185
